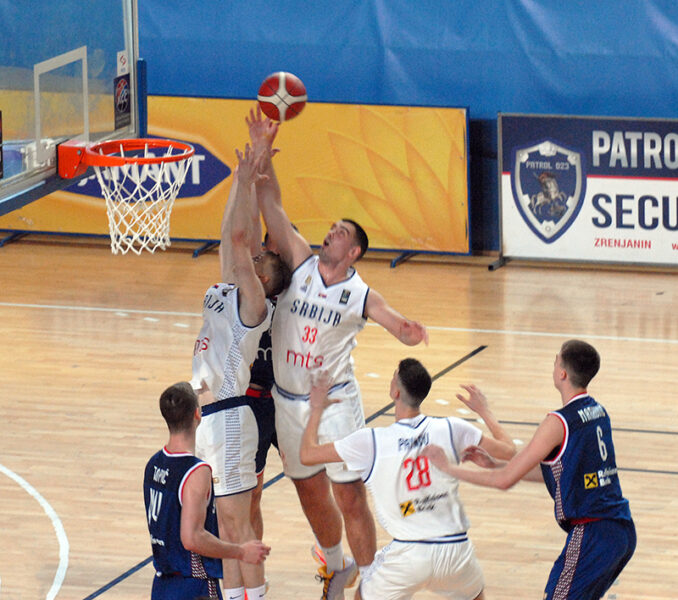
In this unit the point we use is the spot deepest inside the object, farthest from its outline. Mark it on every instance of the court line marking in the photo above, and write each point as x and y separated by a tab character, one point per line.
447	369
277	477
58	528
429	327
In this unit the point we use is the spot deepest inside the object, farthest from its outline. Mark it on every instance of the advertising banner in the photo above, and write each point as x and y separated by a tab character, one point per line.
589	189
399	171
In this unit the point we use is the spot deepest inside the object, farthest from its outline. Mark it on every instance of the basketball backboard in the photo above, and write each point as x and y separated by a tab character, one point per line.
68	70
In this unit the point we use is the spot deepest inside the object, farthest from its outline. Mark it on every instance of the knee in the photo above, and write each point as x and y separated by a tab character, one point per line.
227	526
351	498
314	492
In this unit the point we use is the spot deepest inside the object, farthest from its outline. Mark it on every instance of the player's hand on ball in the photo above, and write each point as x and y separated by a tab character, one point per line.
262	130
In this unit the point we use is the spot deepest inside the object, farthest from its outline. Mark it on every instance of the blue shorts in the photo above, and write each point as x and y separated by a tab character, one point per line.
262	406
178	587
593	557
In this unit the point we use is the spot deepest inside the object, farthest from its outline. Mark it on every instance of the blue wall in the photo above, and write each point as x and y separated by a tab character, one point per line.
606	58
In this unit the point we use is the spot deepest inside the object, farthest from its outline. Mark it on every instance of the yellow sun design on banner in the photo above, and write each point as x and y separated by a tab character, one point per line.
399	171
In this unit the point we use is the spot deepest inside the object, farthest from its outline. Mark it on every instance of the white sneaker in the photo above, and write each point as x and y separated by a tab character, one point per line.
334	582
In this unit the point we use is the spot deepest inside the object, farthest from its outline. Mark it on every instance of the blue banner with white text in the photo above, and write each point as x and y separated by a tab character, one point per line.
589	189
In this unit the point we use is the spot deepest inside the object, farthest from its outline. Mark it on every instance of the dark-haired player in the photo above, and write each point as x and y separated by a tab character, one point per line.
180	511
235	314
417	506
573	453
314	327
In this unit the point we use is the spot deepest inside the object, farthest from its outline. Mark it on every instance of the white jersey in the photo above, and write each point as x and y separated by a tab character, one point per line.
413	500
225	348
315	327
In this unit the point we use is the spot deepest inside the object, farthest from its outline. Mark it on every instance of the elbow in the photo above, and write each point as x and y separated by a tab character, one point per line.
509	451
190	542
307	457
304	457
504	483
239	237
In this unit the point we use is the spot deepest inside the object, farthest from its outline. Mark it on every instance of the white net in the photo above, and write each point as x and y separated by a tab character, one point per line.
139	200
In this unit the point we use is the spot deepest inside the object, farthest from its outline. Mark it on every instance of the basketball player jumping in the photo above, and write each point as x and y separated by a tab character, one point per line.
315	324
235	314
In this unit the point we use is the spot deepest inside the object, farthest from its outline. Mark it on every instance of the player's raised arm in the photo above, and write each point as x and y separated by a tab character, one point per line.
500	445
225	248
548	436
290	244
252	307
408	332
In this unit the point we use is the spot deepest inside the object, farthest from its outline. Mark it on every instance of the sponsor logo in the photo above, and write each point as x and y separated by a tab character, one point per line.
206	171
407	508
548	187
590	480
121	101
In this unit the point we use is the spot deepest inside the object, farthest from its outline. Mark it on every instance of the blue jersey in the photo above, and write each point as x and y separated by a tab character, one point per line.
581	475
261	372
164	480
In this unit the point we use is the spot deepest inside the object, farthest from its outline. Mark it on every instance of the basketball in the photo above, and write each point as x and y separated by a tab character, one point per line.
282	96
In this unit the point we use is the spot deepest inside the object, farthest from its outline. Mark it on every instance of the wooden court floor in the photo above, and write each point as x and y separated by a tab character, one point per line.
89	340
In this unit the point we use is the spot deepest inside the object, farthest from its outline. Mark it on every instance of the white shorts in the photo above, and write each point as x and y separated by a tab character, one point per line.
227	440
400	569
338	421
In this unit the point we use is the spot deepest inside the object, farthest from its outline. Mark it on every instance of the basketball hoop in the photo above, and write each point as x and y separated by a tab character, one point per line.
140	179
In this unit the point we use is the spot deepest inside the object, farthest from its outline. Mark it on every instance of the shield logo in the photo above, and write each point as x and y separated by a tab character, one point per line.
548	187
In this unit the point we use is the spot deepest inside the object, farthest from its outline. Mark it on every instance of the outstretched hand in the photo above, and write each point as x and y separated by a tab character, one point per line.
262	131
413	332
248	166
476	400
254	552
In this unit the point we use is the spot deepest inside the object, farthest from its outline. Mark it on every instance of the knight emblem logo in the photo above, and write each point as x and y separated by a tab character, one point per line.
548	188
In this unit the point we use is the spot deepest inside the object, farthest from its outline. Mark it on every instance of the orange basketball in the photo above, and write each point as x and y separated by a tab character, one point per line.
282	96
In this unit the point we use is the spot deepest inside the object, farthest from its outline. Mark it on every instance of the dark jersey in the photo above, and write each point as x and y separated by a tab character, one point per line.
164	481
261	372
581	476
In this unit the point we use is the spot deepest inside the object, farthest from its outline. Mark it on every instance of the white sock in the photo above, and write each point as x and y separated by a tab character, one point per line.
334	557
256	593
234	593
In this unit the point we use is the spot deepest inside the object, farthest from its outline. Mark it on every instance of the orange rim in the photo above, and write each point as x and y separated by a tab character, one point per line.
103	154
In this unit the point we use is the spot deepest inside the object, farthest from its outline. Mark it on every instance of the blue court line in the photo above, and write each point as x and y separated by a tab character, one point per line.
117	580
279	476
446	370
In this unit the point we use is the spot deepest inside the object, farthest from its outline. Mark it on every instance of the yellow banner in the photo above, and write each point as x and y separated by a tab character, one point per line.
399	171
